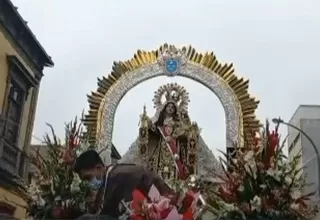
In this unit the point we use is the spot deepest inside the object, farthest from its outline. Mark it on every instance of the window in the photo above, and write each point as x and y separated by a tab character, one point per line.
13	113
30	178
6	210
11	126
19	83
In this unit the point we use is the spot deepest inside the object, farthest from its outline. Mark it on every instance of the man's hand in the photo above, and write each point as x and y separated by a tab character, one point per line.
91	201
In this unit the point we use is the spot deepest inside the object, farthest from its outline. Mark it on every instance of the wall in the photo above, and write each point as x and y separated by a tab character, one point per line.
309	159
15	201
303	112
307	118
6	48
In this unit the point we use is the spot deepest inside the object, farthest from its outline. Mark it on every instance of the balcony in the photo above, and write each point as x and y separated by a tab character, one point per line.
12	159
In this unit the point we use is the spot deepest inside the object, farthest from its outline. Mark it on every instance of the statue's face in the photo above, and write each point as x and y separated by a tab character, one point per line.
170	109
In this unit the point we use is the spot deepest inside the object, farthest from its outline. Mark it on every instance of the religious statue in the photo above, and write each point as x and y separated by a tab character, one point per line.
168	142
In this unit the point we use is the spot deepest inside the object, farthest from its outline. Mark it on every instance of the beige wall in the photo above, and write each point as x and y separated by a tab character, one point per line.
27	119
7	49
16	201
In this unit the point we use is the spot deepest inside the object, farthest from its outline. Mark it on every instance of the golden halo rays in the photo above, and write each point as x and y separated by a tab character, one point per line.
238	85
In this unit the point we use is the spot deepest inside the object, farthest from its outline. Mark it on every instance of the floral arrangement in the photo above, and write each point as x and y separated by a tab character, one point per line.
157	207
261	183
56	193
258	183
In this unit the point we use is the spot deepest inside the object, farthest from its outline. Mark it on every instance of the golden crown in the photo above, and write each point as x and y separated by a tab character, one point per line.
173	93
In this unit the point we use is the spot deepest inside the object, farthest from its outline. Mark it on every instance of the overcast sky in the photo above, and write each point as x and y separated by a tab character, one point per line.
274	43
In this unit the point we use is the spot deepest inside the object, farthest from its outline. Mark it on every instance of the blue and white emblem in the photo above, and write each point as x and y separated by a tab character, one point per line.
172	66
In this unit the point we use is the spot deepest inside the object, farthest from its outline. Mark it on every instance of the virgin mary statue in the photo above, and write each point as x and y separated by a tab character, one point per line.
169	142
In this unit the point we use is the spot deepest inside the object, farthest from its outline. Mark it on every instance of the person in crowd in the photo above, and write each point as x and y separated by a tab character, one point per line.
115	186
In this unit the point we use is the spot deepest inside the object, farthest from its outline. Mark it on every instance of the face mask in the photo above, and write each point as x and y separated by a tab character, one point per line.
95	183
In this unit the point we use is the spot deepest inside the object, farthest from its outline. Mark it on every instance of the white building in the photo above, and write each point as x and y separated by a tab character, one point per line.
306	118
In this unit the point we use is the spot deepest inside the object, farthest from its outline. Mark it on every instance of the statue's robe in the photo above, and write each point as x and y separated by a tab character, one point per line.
122	181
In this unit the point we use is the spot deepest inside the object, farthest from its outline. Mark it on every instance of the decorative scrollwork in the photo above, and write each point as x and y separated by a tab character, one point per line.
192	148
144	132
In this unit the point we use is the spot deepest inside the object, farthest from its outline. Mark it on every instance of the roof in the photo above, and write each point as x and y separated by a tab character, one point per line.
304	106
17	27
115	153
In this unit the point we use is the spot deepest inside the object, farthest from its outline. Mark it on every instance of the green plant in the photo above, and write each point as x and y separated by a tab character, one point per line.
56	192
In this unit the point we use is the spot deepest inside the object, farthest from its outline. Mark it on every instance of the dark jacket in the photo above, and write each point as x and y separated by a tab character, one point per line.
123	179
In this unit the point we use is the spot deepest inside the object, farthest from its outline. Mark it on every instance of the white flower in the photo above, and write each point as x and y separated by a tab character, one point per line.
282	163
259	147
41	202
75	185
256	203
294	206
35	193
249	156
82	206
251	167
263	186
74	188
241	188
229	207
295	194
288	180
274	173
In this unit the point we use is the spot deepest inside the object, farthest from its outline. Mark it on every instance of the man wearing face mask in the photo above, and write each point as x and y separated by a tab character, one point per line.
115	183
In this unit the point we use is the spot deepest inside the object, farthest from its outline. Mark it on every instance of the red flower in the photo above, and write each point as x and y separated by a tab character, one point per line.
74	141
164	213
272	145
173	198
68	156
226	195
267	204
188	215
273	140
137	200
57	212
188	199
256	139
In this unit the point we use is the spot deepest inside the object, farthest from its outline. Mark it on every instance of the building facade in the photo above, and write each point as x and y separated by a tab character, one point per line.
22	60
306	118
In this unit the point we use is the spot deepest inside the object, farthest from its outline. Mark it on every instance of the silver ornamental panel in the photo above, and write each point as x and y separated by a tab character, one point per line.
190	70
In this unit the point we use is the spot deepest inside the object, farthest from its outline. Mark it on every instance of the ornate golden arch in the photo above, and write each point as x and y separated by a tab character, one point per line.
205	68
